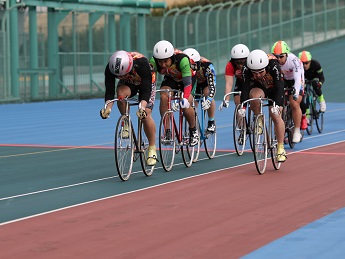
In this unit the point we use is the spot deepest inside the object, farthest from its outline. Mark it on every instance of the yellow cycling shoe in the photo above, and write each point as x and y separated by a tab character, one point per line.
281	155
152	156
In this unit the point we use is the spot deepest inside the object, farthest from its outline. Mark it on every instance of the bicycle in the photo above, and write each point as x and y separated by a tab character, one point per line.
241	127
263	138
209	139
314	113
287	118
174	135
129	145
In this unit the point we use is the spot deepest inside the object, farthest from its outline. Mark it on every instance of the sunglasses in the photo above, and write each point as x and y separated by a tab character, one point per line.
306	63
279	56
257	72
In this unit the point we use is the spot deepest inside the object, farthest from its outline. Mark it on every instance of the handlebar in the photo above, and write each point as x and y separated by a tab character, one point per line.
261	99
131	101
226	95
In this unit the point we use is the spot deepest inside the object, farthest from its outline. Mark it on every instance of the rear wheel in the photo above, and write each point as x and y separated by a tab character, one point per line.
260	143
124	147
167	141
239	132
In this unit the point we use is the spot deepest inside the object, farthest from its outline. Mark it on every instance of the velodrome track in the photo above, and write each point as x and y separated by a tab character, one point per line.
60	196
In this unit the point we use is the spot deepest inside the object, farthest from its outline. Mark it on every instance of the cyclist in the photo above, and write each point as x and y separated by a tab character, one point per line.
313	71
293	72
206	83
176	68
233	69
135	76
262	77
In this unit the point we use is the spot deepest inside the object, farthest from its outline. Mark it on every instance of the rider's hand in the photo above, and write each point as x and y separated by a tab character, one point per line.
175	105
141	113
295	96
316	84
105	113
242	112
224	104
206	104
275	110
184	103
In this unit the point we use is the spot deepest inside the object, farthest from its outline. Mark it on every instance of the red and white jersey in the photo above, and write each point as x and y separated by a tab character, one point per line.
293	70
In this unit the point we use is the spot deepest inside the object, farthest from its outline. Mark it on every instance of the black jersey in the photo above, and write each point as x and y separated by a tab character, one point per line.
314	71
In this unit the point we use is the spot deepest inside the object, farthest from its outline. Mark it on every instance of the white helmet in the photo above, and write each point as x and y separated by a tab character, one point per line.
257	59
120	63
192	54
163	49
239	51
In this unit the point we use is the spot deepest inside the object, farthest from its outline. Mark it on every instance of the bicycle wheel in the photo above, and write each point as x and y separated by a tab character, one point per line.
260	143
239	132
188	152
197	147
124	147
210	138
318	116
250	127
167	140
310	117
273	144
143	144
289	126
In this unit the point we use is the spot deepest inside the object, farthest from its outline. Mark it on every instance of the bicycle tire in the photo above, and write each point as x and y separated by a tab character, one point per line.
124	147
250	127
273	144
310	117
318	116
210	138
167	146
239	132
197	150
143	145
289	126
187	151
260	144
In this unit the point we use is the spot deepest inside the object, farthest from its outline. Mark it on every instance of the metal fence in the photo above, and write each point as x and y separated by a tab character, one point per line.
212	29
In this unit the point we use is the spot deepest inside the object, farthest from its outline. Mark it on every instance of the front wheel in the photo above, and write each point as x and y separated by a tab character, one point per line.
167	140
210	138
260	143
239	132
310	118
188	152
124	147
318	117
143	143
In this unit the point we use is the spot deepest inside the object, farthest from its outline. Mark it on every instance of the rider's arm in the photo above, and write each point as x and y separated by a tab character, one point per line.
229	78
142	67
211	80
298	74
109	82
278	83
247	77
319	72
186	76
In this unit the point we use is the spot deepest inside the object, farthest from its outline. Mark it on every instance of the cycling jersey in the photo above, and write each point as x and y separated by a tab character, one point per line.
206	76
179	71
140	78
271	83
293	71
314	71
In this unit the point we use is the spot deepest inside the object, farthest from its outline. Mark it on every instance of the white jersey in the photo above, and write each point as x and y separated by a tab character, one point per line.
293	70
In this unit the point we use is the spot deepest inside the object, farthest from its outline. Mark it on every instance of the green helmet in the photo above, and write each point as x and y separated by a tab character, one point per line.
280	47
